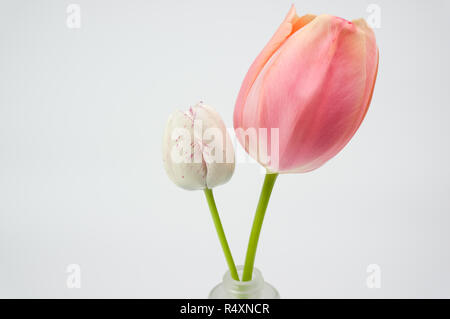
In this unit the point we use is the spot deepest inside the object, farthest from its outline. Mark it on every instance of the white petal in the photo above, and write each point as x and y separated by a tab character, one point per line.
197	150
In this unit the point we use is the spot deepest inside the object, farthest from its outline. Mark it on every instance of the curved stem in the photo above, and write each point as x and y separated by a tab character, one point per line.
221	234
266	191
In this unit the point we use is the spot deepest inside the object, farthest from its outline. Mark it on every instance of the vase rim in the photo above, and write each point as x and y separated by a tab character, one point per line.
256	283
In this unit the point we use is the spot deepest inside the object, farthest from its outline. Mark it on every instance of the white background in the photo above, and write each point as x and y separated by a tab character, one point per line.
82	113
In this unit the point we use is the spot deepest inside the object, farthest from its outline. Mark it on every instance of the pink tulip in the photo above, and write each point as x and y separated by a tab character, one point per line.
313	81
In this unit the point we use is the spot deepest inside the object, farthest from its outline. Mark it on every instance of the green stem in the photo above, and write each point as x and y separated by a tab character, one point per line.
269	181
221	234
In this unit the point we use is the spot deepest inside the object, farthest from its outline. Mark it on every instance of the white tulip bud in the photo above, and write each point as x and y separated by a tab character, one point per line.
197	150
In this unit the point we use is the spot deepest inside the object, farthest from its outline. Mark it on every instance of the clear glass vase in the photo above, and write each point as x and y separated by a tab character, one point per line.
257	288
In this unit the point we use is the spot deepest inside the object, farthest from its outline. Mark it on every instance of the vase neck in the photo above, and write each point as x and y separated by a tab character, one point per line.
244	289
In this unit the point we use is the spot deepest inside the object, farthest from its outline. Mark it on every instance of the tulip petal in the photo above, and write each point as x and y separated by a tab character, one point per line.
197	149
312	91
372	59
313	82
180	153
217	147
291	24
